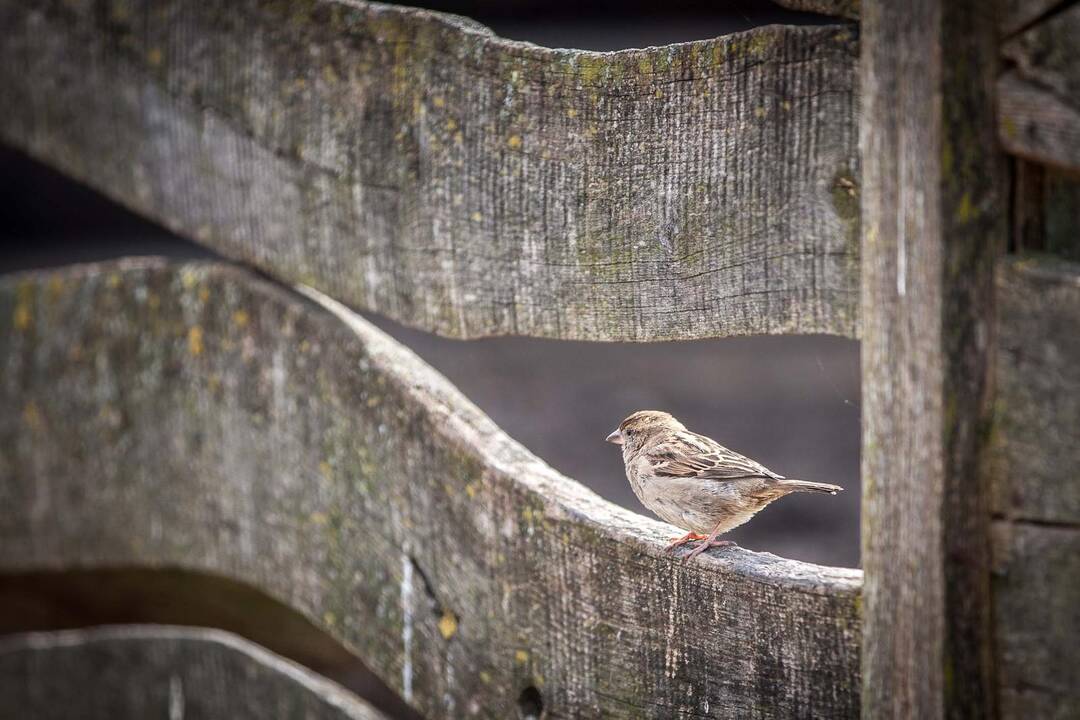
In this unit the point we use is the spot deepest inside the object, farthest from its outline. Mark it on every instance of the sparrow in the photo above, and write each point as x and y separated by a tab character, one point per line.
694	482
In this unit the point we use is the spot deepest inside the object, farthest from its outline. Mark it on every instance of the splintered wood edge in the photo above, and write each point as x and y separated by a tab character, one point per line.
52	674
414	164
287	443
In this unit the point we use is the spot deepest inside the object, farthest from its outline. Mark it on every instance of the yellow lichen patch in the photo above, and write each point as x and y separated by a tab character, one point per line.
966	211
447	625
476	216
759	112
786	105
318	518
571	113
154	56
1008	126
485	677
204	294
113	281
438	101
55	288
527	515
329	618
521	657
195	340
304	346
451	124
458	138
514	142
329	75
240	318
32	416
373	401
188	278
324	469
759	44
22	316
472	488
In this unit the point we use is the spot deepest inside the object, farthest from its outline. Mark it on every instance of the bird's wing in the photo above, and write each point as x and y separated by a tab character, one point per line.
688	455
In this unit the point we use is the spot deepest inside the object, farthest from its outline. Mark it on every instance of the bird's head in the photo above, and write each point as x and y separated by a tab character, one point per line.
639	427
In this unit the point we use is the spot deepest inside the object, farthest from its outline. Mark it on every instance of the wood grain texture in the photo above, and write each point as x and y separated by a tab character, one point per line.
1036	469
1040	98
1037	124
202	418
932	208
414	164
112	673
1037	619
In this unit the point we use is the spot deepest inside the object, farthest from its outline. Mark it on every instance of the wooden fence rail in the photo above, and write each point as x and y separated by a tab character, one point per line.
414	164
162	672
235	428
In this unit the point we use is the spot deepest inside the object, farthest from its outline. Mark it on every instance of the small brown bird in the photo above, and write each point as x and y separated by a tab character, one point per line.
694	482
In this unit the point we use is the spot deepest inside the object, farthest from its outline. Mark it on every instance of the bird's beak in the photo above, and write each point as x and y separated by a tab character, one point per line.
615	437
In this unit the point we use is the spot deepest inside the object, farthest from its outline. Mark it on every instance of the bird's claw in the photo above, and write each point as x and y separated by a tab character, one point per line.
688	537
705	546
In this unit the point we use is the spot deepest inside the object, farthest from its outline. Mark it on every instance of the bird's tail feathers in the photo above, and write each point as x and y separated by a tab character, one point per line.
803	486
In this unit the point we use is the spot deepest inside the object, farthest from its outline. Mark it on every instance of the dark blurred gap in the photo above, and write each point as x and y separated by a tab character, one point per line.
612	25
47	219
84	598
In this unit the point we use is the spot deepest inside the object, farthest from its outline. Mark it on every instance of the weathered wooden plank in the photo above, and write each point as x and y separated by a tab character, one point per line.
932	223
161	672
413	164
1040	98
1037	618
200	417
1036	468
1035	123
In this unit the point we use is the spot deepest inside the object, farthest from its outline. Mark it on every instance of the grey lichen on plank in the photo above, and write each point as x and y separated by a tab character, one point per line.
1036	464
200	417
1037	619
416	165
162	672
1040	99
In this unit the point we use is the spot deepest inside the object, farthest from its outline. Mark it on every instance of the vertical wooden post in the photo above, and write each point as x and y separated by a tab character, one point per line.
932	223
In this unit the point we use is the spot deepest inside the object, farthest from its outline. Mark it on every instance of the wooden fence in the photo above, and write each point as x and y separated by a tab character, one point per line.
237	420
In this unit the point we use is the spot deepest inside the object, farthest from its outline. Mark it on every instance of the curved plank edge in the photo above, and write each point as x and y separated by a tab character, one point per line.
415	165
198	416
160	671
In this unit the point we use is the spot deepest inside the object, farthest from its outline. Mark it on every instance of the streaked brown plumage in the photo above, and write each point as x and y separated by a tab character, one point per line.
694	482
